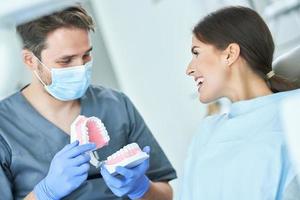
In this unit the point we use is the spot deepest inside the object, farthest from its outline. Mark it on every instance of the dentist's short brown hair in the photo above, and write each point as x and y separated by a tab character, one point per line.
34	33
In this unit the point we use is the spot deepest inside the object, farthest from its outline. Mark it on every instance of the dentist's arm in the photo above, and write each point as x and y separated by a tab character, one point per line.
30	196
159	191
68	170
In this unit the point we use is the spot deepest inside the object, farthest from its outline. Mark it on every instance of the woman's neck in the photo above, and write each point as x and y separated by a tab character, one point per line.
245	84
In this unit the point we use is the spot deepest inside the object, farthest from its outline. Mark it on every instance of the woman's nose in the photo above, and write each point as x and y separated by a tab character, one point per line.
189	70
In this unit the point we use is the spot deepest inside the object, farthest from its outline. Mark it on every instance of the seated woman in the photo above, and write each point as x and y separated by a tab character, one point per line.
241	155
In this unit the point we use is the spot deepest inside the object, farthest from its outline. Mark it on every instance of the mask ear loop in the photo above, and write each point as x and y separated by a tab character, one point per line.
36	74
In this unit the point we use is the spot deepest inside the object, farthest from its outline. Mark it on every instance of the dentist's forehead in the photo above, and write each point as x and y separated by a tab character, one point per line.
68	41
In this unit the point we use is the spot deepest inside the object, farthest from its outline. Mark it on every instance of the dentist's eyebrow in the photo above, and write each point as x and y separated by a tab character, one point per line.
66	57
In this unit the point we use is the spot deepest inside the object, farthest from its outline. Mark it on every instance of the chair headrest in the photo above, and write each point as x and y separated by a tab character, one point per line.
288	65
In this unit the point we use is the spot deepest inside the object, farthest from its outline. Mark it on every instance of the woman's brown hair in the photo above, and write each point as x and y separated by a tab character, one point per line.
246	28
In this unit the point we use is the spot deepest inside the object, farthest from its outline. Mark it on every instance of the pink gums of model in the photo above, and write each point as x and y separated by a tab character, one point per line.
129	156
89	129
92	129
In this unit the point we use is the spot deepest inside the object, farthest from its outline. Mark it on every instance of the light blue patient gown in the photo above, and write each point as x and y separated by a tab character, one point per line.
241	155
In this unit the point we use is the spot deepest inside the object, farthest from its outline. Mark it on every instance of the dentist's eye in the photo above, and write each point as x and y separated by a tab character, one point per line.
64	62
87	56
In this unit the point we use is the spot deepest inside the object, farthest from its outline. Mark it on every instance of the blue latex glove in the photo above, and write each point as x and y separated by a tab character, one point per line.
131	182
68	170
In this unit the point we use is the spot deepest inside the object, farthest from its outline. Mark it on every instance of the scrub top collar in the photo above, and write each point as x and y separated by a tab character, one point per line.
44	123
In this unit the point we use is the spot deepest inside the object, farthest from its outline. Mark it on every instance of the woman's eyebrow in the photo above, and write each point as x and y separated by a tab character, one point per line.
193	48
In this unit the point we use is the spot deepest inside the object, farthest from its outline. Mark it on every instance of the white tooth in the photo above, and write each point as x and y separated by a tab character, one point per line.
135	145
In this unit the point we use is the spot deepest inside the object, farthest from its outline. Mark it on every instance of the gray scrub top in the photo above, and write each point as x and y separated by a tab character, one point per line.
28	142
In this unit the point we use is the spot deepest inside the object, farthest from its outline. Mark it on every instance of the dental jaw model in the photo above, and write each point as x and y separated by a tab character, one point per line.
87	130
129	156
92	129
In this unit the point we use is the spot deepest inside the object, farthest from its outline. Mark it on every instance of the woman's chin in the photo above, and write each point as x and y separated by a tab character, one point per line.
206	99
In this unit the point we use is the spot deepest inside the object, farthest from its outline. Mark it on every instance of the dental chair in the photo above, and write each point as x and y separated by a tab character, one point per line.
288	66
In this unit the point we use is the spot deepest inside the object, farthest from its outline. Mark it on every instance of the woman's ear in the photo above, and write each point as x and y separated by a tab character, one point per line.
231	53
29	59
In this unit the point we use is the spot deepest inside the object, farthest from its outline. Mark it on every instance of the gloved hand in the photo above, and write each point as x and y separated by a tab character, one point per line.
132	182
68	170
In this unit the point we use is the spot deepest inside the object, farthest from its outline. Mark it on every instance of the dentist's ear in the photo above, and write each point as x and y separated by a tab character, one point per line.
231	53
29	60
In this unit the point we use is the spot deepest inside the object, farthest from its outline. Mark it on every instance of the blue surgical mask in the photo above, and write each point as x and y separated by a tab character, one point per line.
68	83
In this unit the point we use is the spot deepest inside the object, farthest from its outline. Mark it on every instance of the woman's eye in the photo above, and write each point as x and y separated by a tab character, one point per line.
195	53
